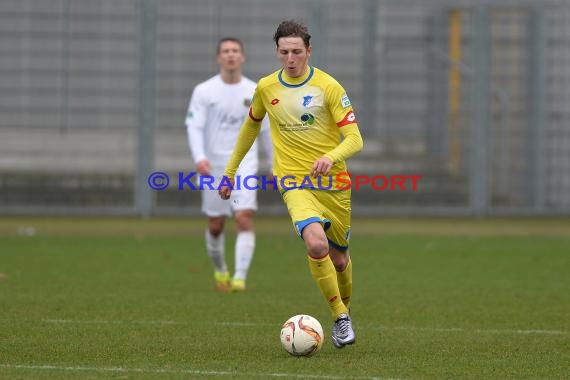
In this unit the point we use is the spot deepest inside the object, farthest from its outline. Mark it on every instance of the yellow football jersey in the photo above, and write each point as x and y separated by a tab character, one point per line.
306	116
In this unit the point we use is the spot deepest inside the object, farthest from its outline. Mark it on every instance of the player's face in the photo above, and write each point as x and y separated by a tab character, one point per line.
294	55
230	56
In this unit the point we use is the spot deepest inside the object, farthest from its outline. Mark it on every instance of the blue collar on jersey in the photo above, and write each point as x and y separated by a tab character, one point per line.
280	76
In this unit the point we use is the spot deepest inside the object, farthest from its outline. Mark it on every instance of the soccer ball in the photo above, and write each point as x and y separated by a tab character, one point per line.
302	335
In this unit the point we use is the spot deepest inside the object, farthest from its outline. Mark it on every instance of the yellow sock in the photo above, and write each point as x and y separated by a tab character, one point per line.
344	279
324	273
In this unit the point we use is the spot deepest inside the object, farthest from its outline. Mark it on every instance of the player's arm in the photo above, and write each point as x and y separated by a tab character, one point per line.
267	145
266	142
247	135
351	144
342	112
195	123
248	132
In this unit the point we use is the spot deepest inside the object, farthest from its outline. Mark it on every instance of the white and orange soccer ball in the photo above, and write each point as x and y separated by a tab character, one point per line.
302	335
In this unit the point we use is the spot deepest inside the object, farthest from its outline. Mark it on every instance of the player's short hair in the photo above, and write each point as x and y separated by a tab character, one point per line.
232	39
292	28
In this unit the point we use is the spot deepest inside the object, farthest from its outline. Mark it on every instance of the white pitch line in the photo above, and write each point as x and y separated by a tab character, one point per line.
184	371
478	331
366	327
544	332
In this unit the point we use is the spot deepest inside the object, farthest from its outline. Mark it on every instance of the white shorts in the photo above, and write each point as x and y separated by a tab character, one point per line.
242	199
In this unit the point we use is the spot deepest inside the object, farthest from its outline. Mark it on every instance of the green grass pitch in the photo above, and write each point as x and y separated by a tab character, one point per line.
433	299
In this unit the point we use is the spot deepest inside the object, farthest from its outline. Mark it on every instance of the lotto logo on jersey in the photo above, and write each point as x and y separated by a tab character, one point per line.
349	118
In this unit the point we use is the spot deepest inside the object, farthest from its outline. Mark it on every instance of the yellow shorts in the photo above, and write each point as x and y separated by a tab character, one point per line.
330	208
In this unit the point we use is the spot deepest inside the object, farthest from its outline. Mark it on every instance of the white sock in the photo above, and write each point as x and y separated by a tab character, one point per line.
245	245
215	247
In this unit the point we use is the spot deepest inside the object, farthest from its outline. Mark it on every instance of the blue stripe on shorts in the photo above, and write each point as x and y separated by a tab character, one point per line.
301	224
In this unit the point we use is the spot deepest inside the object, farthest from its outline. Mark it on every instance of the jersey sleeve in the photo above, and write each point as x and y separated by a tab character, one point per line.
257	110
195	123
339	105
266	142
350	145
247	135
344	118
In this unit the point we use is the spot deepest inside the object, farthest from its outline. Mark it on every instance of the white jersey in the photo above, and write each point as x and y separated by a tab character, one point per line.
215	115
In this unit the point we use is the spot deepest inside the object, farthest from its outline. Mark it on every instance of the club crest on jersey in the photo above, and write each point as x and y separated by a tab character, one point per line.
274	101
307	100
345	101
247	102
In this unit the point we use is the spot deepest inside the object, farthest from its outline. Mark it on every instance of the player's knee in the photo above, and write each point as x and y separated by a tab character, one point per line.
317	248
340	264
216	231
244	221
339	259
216	227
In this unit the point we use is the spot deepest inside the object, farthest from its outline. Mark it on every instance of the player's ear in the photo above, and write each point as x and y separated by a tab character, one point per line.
309	50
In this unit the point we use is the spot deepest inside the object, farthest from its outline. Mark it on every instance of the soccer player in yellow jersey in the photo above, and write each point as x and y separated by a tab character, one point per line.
313	130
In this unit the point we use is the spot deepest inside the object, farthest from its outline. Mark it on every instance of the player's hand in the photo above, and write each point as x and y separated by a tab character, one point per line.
322	166
225	191
203	167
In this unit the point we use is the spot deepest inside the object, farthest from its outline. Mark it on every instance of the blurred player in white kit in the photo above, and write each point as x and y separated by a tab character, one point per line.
216	112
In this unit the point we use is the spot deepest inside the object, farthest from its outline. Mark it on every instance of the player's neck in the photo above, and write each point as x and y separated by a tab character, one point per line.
296	79
230	77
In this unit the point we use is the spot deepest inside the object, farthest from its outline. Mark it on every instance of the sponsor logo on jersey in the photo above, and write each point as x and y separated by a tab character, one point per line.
307	100
345	101
349	118
247	102
307	119
274	101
